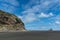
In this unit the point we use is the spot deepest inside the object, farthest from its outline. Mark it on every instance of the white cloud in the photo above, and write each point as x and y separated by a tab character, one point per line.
28	18
20	17
45	15
51	14
57	22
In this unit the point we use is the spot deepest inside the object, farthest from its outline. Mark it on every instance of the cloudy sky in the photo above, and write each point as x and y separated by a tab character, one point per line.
36	14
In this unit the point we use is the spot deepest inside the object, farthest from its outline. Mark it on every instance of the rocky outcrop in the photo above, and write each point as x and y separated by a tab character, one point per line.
10	22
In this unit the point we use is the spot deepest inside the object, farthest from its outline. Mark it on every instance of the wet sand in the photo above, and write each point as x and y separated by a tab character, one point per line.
30	35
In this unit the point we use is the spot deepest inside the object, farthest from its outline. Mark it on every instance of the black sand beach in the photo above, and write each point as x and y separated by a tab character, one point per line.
32	35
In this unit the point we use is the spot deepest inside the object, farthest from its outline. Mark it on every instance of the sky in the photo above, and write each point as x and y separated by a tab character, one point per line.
36	14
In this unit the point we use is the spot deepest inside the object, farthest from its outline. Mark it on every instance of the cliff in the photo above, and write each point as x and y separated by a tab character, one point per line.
10	22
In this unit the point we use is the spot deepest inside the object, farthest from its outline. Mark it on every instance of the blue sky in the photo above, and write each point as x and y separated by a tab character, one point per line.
36	14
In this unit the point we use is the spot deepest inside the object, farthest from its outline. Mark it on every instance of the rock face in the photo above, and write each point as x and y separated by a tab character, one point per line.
10	22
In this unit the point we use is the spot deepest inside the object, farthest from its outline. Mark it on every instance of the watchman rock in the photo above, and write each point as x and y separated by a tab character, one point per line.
10	22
